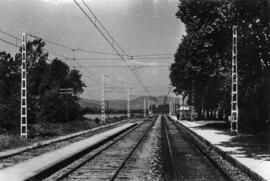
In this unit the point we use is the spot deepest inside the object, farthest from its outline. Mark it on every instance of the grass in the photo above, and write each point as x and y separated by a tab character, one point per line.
44	131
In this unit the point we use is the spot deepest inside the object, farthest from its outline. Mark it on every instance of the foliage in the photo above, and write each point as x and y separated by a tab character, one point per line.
9	97
202	67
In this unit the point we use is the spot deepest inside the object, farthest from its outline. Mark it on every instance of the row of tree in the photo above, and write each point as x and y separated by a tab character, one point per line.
44	79
202	67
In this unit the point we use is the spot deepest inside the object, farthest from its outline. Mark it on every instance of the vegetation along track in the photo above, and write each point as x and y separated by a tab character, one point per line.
183	160
106	161
26	154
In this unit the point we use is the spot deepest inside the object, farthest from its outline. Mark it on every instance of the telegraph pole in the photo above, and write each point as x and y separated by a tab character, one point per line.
23	130
128	104
234	96
66	91
103	99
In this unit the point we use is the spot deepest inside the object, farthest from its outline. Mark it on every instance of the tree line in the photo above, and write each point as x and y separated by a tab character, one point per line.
44	79
202	65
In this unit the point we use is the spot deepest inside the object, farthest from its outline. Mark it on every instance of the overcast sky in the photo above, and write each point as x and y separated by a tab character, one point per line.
139	26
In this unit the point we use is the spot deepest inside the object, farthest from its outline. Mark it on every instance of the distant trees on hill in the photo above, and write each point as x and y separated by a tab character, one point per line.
44	79
202	67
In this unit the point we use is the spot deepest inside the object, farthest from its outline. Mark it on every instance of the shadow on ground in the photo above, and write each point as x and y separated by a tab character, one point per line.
223	126
251	146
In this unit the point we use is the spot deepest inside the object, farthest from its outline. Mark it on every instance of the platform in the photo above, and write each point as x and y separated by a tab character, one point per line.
35	166
236	147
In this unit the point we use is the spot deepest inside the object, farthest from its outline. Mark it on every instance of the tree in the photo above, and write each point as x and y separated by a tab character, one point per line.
9	96
57	77
202	67
44	79
200	61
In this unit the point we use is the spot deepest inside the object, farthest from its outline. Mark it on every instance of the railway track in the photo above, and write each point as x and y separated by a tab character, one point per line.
107	161
184	161
12	159
115	157
215	157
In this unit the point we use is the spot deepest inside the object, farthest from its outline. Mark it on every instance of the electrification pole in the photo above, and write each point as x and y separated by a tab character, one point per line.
144	107
23	129
148	106
170	107
103	99
128	104
175	105
234	96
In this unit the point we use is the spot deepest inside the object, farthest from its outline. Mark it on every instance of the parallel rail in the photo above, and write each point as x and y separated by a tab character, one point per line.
109	158
107	161
12	158
187	158
170	149
222	162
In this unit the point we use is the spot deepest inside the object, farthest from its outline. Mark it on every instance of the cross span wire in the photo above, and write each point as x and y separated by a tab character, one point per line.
110	40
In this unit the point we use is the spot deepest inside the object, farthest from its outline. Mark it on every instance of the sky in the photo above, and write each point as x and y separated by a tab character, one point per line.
140	27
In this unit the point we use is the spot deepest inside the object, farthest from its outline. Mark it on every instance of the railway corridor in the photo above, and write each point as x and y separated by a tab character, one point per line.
182	160
110	160
151	149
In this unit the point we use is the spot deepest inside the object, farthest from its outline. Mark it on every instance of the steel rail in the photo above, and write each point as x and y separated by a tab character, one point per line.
170	148
38	148
132	151
190	139
91	157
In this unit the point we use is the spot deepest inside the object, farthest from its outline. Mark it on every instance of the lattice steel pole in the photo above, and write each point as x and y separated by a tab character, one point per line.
144	107
128	104
23	130
175	105
234	96
149	107
103	117
170	107
148	110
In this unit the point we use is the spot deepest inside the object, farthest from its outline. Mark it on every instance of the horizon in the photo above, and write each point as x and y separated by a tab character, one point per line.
177	96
